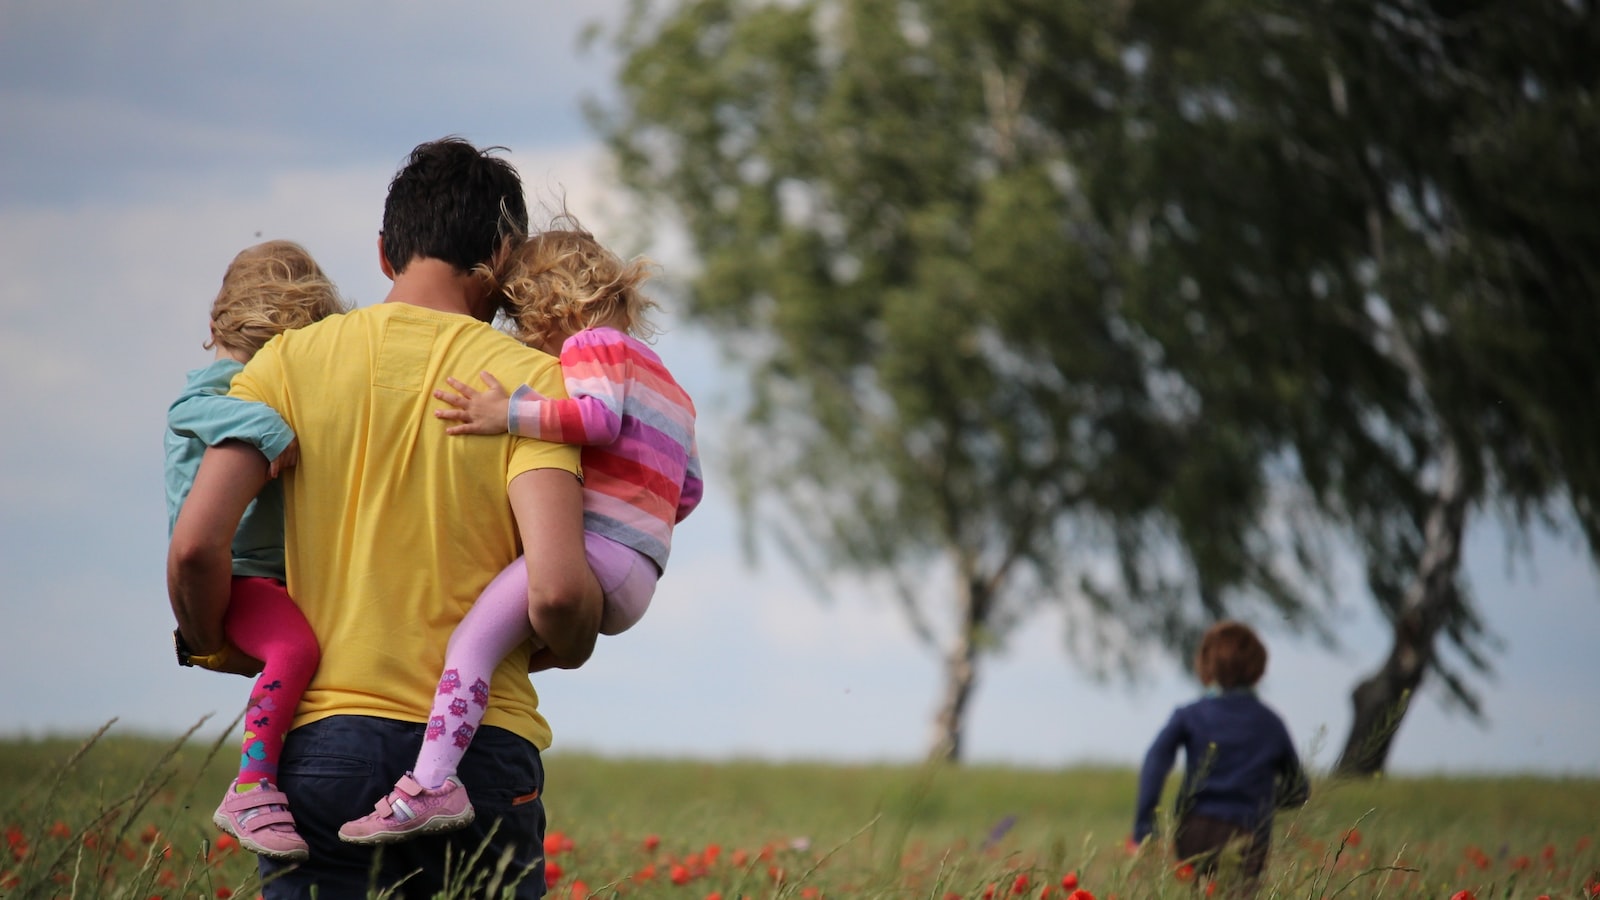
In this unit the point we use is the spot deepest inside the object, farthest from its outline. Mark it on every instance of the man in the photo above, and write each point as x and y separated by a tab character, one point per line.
393	529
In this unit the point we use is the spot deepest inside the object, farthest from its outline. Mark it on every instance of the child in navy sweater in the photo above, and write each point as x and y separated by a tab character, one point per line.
1239	763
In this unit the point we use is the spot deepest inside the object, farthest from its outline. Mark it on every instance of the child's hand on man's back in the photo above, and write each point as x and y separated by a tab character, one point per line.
479	412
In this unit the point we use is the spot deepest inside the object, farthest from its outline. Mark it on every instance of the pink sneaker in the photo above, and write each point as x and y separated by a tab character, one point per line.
411	809
260	819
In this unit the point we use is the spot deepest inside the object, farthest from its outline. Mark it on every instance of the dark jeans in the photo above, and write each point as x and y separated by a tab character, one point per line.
335	769
1202	839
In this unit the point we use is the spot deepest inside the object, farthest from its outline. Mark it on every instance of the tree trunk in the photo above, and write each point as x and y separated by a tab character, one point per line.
1380	701
960	674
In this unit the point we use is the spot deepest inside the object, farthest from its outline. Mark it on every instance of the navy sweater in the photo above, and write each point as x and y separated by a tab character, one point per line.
1252	771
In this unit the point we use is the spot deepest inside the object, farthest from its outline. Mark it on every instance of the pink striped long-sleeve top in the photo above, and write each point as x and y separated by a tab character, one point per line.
641	471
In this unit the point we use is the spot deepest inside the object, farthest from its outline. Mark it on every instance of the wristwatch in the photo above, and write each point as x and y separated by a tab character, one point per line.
182	648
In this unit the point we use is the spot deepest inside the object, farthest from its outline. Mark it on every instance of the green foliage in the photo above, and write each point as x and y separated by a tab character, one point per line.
1118	306
900	216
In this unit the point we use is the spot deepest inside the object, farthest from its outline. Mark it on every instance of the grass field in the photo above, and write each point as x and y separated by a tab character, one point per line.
129	817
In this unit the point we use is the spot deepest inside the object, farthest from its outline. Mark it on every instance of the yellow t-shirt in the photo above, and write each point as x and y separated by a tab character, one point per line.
392	527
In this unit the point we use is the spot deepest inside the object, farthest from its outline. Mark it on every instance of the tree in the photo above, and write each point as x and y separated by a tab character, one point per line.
1336	224
1272	266
1115	304
901	242
1512	98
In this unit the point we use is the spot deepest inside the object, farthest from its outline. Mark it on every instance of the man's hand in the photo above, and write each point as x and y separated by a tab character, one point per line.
230	660
289	457
480	412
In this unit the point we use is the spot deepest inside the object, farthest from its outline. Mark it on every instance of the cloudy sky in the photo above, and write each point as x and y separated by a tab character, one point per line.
142	145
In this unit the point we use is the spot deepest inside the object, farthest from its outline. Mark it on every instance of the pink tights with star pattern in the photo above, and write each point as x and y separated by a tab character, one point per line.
263	621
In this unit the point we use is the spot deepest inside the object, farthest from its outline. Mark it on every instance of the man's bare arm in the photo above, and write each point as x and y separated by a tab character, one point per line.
200	555
563	596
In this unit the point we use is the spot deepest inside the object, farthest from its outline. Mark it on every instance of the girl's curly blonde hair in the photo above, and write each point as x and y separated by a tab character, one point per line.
561	281
268	289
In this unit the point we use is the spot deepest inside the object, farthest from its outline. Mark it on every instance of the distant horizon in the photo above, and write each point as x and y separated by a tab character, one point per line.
714	758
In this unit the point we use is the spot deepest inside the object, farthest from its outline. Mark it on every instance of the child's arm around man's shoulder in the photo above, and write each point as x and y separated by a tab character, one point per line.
206	412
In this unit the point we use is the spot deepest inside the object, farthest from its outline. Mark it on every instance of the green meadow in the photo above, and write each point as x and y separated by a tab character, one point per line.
118	816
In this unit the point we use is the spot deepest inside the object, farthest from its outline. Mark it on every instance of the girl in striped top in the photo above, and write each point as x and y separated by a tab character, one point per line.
570	296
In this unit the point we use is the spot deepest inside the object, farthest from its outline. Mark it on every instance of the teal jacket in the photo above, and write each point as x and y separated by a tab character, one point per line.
204	416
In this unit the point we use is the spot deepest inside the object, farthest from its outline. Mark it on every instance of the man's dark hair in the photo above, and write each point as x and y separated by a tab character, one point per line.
453	202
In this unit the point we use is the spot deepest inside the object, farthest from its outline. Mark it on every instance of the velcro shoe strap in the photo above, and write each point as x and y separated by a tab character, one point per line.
237	802
394	804
270	817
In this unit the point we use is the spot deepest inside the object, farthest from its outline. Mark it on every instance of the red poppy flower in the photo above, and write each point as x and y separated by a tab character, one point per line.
1069	881
1185	872
680	874
652	841
1020	885
1080	894
1478	857
552	871
1463	895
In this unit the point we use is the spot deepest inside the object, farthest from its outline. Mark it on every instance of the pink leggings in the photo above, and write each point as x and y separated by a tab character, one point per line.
497	622
263	621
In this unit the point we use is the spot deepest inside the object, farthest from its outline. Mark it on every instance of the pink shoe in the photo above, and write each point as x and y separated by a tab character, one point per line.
411	809
260	819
